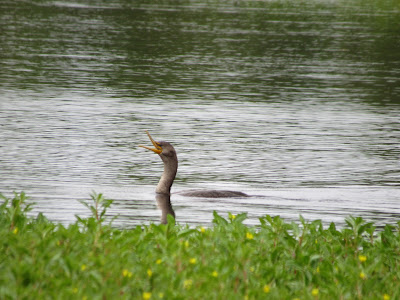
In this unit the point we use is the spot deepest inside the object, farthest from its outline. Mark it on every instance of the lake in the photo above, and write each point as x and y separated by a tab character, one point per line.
294	103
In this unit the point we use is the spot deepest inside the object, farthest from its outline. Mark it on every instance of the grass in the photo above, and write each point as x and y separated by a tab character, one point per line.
276	260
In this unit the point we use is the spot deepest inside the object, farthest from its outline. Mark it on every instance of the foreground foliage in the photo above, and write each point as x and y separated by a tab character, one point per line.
277	260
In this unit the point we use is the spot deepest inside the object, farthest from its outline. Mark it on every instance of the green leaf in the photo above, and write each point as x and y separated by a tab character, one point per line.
170	220
218	219
186	232
240	218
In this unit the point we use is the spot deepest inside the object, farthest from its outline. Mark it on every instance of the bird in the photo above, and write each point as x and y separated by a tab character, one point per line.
168	155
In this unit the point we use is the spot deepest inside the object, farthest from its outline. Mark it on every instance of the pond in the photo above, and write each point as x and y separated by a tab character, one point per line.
296	104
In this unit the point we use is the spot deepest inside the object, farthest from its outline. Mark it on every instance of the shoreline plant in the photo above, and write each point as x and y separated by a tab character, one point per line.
276	260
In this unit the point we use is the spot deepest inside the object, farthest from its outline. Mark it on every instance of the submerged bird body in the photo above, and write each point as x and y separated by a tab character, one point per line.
168	155
212	194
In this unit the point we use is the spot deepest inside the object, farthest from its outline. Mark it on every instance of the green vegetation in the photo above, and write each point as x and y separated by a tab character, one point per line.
277	260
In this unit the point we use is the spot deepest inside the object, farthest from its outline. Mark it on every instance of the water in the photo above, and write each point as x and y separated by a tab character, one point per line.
296	105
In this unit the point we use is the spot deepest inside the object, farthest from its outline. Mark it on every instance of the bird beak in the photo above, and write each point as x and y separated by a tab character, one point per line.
157	146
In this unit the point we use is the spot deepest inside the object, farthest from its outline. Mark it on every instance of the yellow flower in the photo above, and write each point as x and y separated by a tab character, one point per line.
317	270
362	258
187	244
193	261
127	273
362	275
158	261
266	288
386	297
15	231
214	274
232	217
202	229
149	273
83	267
187	284
146	295
315	292
160	295
249	236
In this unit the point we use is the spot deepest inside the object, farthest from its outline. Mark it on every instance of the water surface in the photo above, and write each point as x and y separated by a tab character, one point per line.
296	105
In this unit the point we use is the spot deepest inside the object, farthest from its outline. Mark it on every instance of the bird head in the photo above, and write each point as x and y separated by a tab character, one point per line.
161	148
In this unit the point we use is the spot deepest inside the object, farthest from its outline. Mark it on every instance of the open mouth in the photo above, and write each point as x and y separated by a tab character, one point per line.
158	149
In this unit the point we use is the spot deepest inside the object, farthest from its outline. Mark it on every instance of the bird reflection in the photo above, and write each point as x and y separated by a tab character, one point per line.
164	203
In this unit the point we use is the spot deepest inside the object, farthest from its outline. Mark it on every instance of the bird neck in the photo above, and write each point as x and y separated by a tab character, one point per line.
168	176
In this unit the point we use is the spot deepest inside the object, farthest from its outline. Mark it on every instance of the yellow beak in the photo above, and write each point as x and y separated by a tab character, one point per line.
157	146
